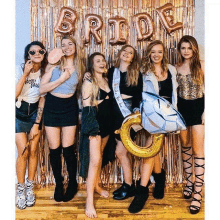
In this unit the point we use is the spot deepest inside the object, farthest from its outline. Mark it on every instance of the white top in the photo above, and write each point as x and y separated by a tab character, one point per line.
30	92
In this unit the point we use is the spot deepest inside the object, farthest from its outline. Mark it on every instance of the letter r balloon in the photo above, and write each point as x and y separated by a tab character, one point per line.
93	23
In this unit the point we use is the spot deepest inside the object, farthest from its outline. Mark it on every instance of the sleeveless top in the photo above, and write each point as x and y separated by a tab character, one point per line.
188	89
67	87
166	87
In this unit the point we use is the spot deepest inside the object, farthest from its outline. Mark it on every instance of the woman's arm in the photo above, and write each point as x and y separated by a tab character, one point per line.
47	86
86	93
35	129
19	86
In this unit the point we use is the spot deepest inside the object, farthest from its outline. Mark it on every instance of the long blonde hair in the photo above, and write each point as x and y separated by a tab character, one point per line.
133	68
195	65
147	63
77	61
95	85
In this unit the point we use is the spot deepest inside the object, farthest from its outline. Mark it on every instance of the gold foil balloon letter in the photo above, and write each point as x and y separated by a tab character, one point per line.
168	20
118	23
66	21
149	29
93	23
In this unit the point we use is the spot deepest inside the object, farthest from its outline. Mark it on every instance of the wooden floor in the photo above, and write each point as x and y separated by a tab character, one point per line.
173	206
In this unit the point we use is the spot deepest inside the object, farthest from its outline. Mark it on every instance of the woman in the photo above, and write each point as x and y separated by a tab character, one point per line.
29	109
96	127
160	78
191	105
126	82
61	116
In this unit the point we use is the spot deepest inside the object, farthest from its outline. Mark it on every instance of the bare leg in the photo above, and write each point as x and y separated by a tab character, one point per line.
68	136
33	157
21	163
53	136
94	163
157	165
99	189
125	160
146	170
187	160
199	158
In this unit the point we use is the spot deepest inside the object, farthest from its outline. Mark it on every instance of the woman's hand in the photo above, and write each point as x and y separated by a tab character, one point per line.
28	67
65	75
87	76
34	131
203	118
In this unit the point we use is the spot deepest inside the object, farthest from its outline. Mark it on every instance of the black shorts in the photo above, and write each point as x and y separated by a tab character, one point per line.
60	112
191	110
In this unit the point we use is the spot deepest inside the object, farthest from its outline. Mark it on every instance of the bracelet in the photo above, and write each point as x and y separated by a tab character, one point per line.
37	123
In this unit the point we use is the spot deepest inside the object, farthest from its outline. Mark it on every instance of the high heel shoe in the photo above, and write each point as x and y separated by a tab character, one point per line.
194	209
187	192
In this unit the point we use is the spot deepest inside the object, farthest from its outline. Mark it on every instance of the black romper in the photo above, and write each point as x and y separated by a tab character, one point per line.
131	103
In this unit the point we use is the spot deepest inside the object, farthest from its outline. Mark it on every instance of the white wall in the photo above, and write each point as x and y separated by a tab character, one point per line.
23	29
200	26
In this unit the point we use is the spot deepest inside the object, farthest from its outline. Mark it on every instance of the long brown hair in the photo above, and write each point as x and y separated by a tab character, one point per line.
147	63
133	68
195	65
95	85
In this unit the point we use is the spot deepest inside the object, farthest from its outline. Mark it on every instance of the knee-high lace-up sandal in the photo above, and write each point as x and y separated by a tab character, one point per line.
187	164
199	180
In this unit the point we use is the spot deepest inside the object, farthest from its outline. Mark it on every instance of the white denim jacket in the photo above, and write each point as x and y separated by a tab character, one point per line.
150	83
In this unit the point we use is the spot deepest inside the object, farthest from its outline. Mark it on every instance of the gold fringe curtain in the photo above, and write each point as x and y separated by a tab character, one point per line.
44	15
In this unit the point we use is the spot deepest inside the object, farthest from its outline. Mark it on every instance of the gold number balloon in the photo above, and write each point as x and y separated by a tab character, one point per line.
146	152
149	26
93	23
117	22
66	21
168	20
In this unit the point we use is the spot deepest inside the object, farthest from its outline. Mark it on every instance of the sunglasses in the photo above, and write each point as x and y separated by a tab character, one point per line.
33	52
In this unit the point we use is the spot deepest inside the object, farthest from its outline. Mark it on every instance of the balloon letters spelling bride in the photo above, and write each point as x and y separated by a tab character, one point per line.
94	23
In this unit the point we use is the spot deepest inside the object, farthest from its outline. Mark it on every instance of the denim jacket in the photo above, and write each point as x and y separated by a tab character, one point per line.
150	83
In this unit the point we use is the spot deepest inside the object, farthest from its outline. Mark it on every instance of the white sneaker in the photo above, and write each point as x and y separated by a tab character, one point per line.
30	196
21	196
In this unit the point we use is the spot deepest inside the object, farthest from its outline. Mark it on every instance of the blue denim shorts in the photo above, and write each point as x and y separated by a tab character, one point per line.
25	117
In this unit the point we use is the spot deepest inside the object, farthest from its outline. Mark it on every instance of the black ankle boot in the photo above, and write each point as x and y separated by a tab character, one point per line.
118	191
55	161
141	196
159	184
125	192
71	162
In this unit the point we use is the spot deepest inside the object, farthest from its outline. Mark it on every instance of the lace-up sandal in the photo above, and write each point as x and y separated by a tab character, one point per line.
30	196
199	164
21	196
187	164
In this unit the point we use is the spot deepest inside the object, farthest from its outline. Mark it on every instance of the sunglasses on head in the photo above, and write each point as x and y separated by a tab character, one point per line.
32	52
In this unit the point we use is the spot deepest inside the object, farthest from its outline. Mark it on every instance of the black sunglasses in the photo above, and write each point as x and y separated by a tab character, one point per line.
32	52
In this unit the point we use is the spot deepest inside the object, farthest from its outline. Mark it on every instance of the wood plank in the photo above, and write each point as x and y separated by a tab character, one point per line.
173	206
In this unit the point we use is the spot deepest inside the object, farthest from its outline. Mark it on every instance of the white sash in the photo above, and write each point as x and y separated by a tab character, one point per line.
123	108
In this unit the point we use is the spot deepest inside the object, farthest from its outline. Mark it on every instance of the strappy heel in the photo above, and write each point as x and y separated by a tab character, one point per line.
187	192
194	209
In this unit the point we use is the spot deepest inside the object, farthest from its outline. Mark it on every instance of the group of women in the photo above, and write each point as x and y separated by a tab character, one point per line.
52	91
